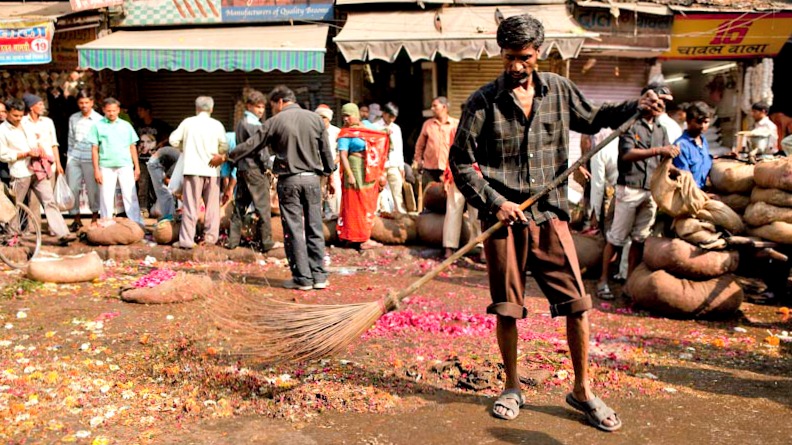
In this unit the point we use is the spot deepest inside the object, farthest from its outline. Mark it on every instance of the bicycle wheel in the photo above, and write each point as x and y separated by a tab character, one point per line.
20	238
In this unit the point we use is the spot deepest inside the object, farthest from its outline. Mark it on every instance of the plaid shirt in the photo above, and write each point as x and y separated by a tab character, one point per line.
519	155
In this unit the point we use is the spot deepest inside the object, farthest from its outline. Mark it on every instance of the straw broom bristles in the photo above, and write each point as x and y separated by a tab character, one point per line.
280	331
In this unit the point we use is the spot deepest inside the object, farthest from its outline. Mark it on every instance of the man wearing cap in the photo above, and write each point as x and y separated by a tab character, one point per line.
253	184
20	148
640	150
394	167
333	199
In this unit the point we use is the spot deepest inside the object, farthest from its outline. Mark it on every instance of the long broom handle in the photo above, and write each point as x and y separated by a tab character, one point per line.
393	300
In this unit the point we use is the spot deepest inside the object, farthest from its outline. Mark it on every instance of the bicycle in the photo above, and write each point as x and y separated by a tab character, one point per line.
20	232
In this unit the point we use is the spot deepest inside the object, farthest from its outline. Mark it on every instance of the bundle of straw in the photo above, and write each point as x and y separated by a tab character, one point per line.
278	331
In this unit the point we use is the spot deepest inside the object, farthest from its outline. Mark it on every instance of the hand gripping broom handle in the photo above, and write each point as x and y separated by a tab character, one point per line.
392	301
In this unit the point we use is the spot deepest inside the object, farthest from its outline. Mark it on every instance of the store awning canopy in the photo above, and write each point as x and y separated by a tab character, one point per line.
264	48
28	10
456	32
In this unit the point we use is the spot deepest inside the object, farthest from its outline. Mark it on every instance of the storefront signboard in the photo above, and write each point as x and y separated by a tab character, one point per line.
196	12
729	36
85	5
26	42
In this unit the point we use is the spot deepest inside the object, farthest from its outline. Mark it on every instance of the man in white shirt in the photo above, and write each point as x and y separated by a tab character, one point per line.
79	161
18	146
394	167
671	127
334	199
200	138
44	132
760	112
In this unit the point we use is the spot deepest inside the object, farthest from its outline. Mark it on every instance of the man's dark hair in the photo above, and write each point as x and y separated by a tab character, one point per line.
391	109
84	94
520	32
15	104
144	104
698	110
255	98
672	107
761	106
657	87
111	101
282	92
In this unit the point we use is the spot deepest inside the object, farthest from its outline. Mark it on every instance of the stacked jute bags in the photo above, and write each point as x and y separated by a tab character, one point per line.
684	277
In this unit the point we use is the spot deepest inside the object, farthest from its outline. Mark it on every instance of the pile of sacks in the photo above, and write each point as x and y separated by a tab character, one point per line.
680	280
732	182
430	222
687	277
769	215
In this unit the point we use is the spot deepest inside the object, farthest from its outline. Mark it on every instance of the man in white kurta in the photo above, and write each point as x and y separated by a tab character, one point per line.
200	138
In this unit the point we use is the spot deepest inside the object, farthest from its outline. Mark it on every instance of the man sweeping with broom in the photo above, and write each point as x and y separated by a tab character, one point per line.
517	129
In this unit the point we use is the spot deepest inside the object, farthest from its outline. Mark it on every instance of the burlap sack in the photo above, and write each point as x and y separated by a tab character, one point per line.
776	174
124	231
730	176
677	194
760	214
330	231
277	228
401	230
67	269
166	232
663	294
695	231
225	215
429	227
685	260
779	232
181	288
721	215
776	197
589	250
734	201
675	191
7	207
434	199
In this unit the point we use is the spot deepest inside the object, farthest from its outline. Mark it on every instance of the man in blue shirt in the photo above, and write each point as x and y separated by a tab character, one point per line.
694	153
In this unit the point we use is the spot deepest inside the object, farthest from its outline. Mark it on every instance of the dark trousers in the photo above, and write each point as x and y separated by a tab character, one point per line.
145	188
253	186
300	199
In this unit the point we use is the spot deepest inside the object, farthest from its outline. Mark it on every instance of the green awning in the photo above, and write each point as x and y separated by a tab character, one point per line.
263	48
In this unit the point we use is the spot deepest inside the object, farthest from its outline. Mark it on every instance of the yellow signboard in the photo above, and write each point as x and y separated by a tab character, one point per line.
729	36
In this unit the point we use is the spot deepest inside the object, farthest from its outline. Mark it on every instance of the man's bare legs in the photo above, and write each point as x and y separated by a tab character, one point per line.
506	331
577	326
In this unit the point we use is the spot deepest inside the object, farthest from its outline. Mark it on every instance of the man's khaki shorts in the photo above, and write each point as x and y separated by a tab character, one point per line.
547	250
634	216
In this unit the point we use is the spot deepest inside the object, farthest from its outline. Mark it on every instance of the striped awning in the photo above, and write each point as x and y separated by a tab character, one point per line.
263	48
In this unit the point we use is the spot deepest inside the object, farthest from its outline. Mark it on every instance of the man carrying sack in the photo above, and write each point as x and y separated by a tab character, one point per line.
517	129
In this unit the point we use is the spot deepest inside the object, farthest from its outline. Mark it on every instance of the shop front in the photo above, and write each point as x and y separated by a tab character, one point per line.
448	51
726	59
168	53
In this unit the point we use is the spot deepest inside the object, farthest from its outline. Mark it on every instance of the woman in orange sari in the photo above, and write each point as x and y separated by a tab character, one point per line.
363	153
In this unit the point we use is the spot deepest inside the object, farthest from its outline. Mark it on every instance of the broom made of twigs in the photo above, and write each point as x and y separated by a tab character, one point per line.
279	331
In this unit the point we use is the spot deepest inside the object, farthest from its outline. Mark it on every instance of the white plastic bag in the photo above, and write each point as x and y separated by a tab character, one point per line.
63	194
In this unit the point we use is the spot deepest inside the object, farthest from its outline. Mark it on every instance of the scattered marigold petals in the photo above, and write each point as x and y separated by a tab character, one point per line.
144	339
773	340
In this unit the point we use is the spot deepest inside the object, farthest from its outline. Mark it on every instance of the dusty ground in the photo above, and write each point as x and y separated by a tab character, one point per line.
77	365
